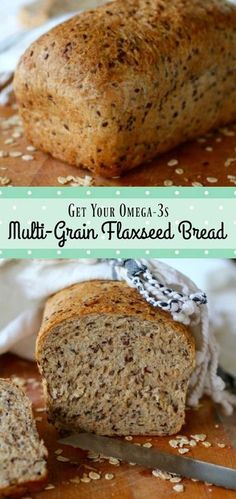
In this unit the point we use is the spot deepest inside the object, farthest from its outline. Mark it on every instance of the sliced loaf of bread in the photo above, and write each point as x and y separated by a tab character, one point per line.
111	363
22	453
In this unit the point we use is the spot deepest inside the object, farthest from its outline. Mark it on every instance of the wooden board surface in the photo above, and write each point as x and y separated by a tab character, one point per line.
210	161
129	482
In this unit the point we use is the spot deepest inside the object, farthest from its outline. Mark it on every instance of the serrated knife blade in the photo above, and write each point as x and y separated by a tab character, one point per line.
154	458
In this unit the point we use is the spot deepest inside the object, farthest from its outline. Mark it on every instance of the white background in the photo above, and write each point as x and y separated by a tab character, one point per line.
8	16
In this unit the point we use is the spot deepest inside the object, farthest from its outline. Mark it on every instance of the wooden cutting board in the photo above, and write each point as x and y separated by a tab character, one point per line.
129	482
208	161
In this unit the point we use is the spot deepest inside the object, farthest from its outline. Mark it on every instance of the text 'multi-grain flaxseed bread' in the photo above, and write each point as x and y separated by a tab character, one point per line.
111	363
22	453
116	86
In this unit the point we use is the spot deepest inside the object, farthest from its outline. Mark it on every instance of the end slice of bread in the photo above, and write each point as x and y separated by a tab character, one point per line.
112	364
22	453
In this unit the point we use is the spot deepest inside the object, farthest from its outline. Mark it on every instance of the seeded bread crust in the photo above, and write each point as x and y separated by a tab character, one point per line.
104	330
34	476
101	297
114	87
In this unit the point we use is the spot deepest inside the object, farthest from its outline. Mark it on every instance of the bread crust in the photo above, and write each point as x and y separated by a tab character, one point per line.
102	297
113	87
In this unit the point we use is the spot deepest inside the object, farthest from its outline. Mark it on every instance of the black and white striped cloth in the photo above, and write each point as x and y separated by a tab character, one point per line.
156	293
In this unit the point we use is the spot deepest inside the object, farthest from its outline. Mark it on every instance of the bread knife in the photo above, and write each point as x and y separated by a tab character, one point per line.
155	459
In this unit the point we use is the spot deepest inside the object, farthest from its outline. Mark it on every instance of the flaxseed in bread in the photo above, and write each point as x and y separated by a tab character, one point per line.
22	453
114	87
111	363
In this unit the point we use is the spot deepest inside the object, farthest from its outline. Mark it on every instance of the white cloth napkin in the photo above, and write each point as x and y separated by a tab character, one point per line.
221	287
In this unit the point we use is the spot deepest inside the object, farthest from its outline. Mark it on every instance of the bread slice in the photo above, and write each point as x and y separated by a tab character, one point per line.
22	453
111	363
118	85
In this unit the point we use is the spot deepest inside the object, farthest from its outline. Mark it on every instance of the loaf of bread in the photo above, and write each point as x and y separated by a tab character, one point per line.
114	87
111	363
22	453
